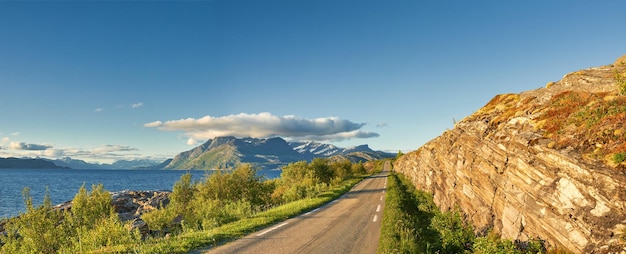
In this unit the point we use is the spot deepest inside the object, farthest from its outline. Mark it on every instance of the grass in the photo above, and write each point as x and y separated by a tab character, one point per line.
590	123
412	223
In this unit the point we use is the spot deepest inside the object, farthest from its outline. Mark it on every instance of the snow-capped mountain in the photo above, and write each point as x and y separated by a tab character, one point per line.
315	148
227	152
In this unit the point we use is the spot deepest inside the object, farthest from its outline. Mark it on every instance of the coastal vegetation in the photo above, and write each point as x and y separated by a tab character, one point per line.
92	224
412	223
222	206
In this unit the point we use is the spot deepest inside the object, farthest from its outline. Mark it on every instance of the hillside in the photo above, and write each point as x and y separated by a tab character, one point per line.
271	153
547	163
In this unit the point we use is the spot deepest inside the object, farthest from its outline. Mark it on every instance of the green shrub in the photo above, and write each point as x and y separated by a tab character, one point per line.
35	231
412	223
91	225
406	225
182	193
107	232
456	234
358	169
90	208
619	157
161	220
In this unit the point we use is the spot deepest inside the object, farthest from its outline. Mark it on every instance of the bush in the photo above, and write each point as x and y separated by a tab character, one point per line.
221	198
35	231
491	243
412	223
90	208
619	157
91	225
456	234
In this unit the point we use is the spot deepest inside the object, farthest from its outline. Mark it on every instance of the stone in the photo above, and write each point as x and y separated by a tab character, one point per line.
132	204
140	225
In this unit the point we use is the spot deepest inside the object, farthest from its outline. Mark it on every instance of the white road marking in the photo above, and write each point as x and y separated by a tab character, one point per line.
317	209
272	229
375	218
378	208
381	197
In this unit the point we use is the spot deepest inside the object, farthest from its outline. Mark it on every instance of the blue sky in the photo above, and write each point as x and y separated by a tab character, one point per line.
109	80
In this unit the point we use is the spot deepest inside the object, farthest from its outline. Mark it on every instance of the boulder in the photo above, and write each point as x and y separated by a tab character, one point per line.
138	224
132	204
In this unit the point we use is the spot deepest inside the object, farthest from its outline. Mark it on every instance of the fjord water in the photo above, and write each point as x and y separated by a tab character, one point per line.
63	184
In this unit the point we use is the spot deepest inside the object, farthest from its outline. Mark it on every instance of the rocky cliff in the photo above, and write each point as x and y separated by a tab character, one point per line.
547	163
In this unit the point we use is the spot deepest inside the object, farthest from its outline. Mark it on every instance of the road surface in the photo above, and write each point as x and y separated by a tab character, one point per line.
350	224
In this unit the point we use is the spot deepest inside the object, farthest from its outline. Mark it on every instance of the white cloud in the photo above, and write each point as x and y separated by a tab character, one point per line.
15	134
30	147
113	149
192	142
154	124
100	154
54	153
136	105
265	125
98	110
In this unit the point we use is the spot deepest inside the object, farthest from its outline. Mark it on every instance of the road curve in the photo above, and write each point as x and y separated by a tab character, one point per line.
350	224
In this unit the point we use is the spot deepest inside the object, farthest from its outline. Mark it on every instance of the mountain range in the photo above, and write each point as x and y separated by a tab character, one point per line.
268	153
120	164
221	152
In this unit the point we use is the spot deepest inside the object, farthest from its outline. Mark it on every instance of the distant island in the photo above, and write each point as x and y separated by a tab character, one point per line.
28	163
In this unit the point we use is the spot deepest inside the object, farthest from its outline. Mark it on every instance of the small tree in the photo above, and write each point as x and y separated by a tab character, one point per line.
35	231
90	208
322	170
182	194
399	154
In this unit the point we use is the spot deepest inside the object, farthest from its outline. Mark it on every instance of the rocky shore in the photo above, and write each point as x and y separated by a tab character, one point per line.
129	205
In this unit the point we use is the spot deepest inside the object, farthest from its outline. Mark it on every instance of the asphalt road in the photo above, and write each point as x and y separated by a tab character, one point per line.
350	224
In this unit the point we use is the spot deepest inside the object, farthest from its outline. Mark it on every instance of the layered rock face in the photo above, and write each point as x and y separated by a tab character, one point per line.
509	169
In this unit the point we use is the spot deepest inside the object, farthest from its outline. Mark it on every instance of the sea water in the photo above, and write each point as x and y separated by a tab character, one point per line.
63	184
